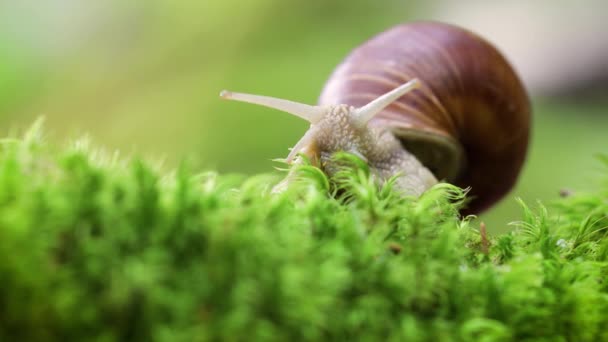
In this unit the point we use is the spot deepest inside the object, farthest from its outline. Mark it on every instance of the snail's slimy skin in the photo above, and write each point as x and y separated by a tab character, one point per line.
337	131
339	127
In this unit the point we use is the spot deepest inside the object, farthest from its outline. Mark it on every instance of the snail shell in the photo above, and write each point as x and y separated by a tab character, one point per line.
469	122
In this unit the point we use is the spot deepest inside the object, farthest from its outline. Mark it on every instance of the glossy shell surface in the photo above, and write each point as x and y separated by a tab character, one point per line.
470	121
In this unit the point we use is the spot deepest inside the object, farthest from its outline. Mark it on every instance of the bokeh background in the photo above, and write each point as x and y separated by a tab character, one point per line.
144	76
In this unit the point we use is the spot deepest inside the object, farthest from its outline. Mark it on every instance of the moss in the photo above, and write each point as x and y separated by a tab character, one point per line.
98	248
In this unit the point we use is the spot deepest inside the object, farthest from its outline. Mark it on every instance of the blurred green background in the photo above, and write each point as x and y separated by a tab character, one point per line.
144	76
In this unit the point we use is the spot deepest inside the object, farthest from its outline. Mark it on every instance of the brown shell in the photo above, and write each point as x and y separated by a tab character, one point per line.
470	121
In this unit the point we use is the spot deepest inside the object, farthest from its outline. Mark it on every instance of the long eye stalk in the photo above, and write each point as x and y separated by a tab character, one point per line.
309	113
314	114
362	115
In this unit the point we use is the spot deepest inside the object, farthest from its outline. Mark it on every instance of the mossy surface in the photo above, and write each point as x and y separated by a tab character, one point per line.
94	247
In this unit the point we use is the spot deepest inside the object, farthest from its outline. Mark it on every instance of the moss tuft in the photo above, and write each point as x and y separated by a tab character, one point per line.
97	248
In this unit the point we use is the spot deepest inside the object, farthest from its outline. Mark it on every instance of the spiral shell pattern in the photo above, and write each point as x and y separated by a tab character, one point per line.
469	122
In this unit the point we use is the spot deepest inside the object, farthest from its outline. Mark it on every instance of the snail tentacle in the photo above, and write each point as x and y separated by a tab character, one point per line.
309	113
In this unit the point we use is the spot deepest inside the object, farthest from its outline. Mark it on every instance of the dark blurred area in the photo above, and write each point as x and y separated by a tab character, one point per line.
144	77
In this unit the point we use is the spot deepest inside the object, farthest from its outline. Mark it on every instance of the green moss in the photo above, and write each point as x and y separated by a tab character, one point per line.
97	248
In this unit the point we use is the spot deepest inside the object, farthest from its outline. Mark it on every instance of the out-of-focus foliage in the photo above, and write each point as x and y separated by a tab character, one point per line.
144	76
96	247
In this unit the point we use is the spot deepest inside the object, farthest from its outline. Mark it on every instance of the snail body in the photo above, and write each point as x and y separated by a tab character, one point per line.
426	101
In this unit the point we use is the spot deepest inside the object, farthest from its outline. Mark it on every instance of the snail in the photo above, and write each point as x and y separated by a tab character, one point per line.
426	101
